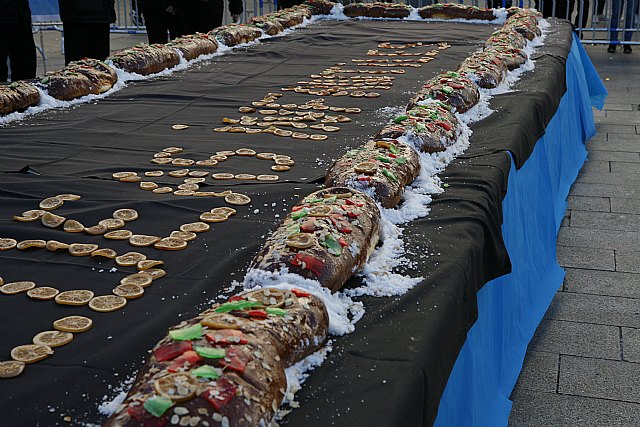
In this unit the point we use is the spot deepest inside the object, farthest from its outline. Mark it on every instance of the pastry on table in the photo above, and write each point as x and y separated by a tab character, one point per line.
455	11
146	59
525	24
319	7
451	88
511	56
506	37
487	70
328	236
226	366
194	45
268	25
377	10
235	34
17	96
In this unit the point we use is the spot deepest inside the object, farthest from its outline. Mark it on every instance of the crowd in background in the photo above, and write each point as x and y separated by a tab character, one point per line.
86	25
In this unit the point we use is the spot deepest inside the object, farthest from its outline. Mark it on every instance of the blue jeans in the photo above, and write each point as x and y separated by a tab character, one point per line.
628	19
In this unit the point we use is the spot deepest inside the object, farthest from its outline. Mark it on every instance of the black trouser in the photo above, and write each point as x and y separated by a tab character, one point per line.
283	4
86	41
159	22
201	16
16	45
497	4
563	8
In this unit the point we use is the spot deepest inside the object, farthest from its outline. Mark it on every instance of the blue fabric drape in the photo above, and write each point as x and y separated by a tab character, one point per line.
511	307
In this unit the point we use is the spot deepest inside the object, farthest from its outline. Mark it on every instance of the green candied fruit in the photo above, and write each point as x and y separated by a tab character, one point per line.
333	246
236	305
276	311
447	89
293	229
383	159
331	199
400	119
211	353
401	160
299	214
157	405
206	371
394	148
453	74
193	332
389	175
420	127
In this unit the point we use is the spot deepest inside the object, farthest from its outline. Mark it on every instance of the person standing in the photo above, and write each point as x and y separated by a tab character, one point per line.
16	41
161	19
629	17
86	28
203	16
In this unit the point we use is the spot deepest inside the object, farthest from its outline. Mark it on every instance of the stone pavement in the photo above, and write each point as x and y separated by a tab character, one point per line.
583	364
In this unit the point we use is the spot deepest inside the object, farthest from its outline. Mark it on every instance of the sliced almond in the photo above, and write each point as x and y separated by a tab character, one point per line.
130	259
7	243
30	353
16	287
143	240
52	220
76	297
140	279
171	244
107	303
118	235
82	249
53	338
74	324
195	227
149	263
11	368
32	243
178	387
104	252
54	245
73	226
126	214
44	293
129	291
51	203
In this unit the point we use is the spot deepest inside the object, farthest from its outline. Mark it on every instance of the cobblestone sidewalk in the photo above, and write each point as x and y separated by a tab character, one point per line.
583	364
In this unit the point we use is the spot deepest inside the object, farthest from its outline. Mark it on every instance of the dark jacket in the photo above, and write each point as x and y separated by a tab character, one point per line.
87	11
15	12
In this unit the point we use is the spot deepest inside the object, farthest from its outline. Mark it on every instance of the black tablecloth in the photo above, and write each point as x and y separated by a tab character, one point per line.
393	368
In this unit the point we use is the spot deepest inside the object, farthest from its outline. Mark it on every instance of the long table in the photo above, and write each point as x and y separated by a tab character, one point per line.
394	368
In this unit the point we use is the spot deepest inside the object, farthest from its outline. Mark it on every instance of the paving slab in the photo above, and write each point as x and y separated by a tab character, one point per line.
598	239
596	282
617	107
606	190
625	205
615	156
627	129
601	166
586	203
624	167
606	220
613	178
605	379
578	339
598	259
631	145
596	309
628	261
538	409
612	137
539	372
631	344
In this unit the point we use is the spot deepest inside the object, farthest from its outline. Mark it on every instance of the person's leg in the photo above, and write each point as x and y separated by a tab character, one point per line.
99	48
582	7
22	53
5	33
209	15
615	21
156	23
174	23
629	20
76	41
601	5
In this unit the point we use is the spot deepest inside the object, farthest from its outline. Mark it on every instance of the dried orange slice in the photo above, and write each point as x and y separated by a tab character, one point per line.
44	293
237	199
171	244
130	259
162	190
118	235
149	263
320	211
371	94
148	185
140	279
76	297
353	110
107	303
155	273
104	252
154	173
300	135
188	186
177	387
222	129
53	338
54	245
112	223
183	193
195	180
224	210
11	368
142	240
245	152
30	353
284	162
300	240
207	162
96	230
195	227
161	161
135	178
119	175
172	150
198	174
16	287
69	197
265	156
52	220
29	216
51	203
182	162
367	168
180	127
213	217
245	176
74	324
7	243
267	177
73	226
82	249
224	193
179	173
126	214
187	236
32	243
331	129
221	321
318	137
219	158
280	168
129	291
222	176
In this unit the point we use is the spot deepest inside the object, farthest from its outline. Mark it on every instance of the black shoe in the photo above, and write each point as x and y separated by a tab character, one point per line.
627	49
611	48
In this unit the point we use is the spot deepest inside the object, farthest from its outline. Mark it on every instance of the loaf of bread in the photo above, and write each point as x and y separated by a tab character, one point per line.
292	16
381	167
506	38
431	128
17	96
377	10
523	23
235	34
194	45
451	88
487	70
66	84
268	25
226	367
146	59
319	7
511	56
455	11
327	237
